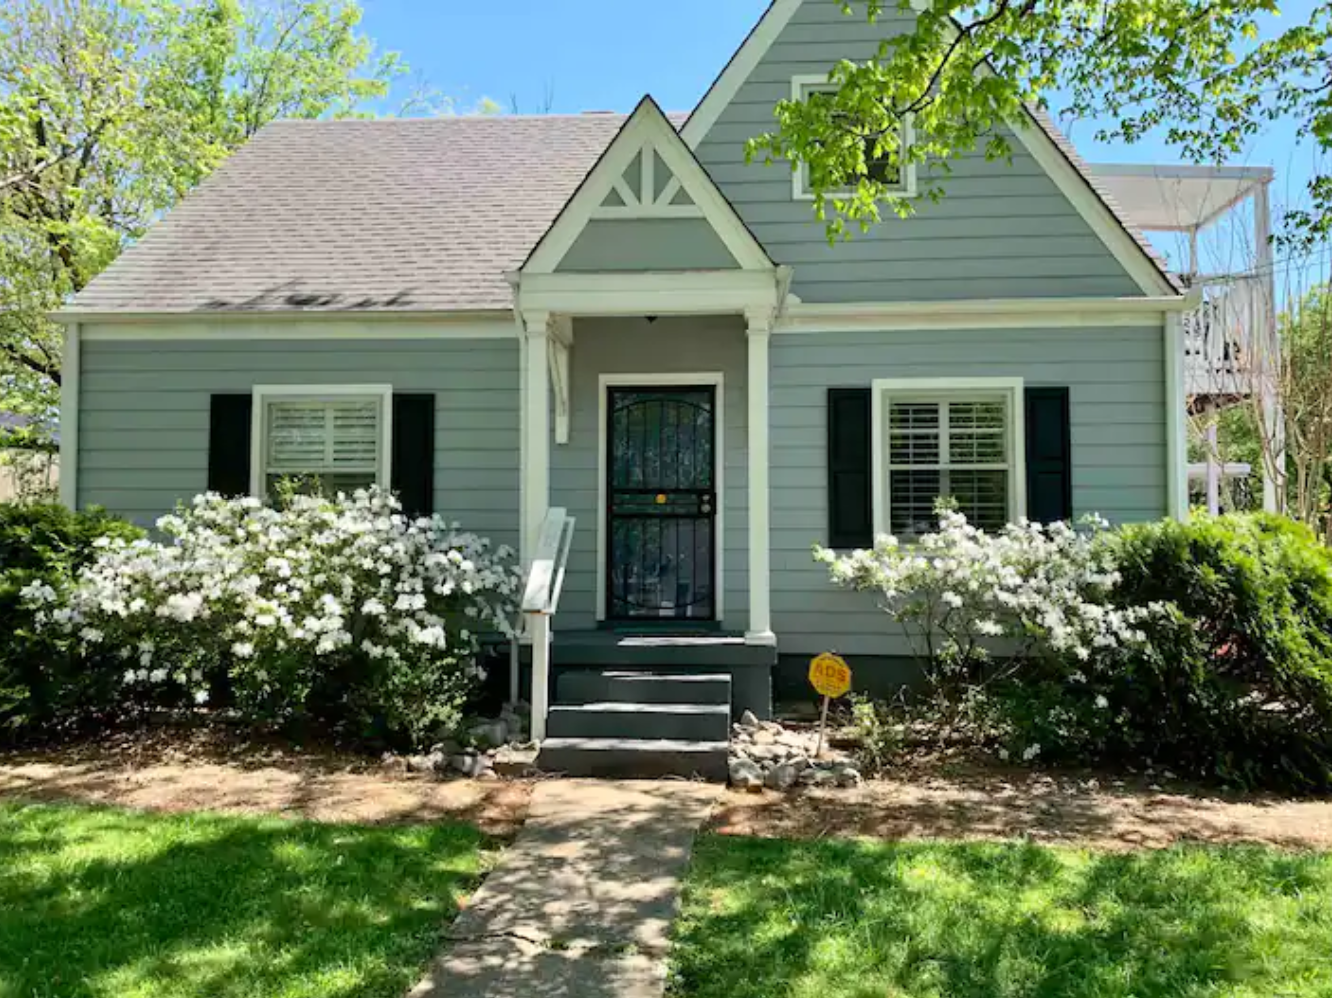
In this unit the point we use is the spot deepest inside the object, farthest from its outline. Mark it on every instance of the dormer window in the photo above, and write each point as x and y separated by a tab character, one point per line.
901	180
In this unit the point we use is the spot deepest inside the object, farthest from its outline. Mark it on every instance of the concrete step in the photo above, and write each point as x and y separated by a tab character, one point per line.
585	686
694	722
628	758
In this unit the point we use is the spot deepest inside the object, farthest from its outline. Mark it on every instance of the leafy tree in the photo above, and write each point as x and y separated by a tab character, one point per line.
110	110
962	70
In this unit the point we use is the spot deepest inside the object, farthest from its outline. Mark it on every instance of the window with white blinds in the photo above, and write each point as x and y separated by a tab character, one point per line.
960	447
333	444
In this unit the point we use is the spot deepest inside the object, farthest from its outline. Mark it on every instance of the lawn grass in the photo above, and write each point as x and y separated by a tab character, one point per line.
101	902
850	919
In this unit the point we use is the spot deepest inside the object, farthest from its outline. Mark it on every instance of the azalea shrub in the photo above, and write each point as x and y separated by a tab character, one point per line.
43	686
342	611
1200	648
978	607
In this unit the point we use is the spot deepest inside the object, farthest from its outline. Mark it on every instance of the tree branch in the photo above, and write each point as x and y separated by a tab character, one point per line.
30	362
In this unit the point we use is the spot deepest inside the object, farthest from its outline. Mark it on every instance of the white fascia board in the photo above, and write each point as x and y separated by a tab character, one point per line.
986	313
304	326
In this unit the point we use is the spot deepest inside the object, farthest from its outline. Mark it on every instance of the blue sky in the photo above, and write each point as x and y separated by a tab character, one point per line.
579	55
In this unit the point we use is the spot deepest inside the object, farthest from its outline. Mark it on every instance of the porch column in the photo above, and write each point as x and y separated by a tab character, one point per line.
760	605
536	427
1270	361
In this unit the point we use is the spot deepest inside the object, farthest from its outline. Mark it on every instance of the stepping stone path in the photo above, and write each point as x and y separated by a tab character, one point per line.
581	903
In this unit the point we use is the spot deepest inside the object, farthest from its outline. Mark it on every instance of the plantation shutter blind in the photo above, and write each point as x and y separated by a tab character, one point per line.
337	441
850	506
956	448
1049	455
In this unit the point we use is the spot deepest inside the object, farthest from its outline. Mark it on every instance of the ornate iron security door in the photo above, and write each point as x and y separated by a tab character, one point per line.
661	504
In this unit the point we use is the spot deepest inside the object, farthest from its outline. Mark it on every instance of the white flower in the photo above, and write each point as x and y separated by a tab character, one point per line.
200	696
373	608
157	676
1030	752
242	649
1102	702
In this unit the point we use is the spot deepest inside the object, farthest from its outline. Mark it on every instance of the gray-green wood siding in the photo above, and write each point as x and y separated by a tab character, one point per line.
645	244
144	405
1001	231
1117	414
668	346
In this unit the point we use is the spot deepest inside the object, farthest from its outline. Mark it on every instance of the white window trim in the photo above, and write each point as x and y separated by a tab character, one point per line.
263	394
1011	389
800	87
716	380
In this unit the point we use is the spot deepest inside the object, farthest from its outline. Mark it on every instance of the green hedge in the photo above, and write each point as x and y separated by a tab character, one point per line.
43	687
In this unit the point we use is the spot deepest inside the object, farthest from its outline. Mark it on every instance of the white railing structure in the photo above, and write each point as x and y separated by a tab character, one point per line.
1231	343
1221	345
541	601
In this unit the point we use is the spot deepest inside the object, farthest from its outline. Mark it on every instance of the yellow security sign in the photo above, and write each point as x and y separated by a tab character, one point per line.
830	675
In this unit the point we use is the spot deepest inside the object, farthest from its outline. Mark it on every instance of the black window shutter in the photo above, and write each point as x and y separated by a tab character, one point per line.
414	452
850	508
1049	456
229	444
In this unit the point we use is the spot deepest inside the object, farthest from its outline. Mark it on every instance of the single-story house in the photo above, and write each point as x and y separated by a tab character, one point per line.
619	317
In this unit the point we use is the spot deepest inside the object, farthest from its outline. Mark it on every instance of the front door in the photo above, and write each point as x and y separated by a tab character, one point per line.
661	504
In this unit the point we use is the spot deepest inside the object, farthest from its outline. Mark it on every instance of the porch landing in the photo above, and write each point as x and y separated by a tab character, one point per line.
641	647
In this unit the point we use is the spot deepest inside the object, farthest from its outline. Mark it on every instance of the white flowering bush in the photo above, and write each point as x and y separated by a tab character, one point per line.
980	609
345	610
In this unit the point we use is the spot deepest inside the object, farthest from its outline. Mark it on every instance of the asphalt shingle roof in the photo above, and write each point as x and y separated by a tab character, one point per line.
398	214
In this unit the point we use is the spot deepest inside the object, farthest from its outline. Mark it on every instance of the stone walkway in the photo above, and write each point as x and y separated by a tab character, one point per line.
581	904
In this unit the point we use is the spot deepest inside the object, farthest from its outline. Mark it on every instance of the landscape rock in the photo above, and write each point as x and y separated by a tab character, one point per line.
764	737
491	734
782	777
471	764
748	720
448	746
394	763
420	764
746	775
847	776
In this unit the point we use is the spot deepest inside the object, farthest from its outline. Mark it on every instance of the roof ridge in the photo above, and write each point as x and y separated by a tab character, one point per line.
440	118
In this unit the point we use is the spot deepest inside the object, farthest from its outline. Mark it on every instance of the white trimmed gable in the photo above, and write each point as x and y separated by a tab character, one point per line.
649	177
796	37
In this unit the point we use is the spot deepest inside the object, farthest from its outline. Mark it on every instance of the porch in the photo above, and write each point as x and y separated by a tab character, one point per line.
645	526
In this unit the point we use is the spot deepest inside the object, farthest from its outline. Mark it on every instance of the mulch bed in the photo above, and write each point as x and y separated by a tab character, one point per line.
219	768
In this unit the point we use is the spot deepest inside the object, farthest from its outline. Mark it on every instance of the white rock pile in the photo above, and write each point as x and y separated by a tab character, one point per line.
765	754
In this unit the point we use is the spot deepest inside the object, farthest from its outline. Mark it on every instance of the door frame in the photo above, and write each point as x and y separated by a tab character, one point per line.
714	379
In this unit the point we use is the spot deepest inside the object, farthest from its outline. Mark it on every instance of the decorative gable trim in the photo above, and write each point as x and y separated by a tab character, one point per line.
646	197
1127	246
646	143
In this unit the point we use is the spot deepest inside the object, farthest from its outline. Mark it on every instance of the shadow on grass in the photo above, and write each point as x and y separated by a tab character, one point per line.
859	919
99	902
